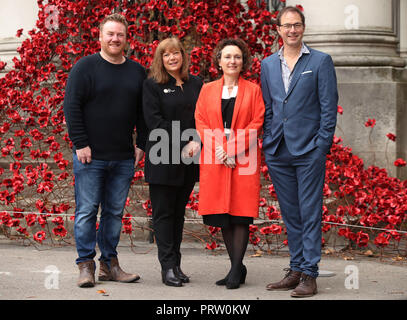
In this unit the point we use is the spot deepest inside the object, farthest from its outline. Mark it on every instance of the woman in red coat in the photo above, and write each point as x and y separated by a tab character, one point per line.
229	117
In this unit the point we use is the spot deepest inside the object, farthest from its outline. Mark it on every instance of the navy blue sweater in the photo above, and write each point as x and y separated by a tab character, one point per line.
103	105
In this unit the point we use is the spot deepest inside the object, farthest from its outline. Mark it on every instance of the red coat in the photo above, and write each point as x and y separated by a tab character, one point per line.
224	190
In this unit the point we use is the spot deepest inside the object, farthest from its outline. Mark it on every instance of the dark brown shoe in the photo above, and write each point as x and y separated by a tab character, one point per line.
115	273
290	281
306	288
86	274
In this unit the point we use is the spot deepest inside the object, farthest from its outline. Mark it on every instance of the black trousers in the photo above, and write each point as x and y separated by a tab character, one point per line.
168	206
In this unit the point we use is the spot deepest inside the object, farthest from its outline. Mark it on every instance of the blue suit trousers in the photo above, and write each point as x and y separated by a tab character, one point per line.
299	182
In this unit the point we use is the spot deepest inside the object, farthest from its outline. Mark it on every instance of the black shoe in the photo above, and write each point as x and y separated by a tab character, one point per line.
170	279
180	275
232	284
222	282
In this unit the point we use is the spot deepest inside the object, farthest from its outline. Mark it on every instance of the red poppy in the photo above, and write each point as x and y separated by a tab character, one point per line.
345	232
39	236
42	220
265	230
195	70
23	231
30	219
254	240
272	191
370	123
214	230
276	229
18	213
362	239
298	6
262	202
60	231
396	235
400	162
382	240
127	228
272	213
211	246
147	206
391	136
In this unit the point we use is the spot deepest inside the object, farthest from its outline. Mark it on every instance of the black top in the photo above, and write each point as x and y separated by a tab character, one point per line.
103	104
170	108
228	105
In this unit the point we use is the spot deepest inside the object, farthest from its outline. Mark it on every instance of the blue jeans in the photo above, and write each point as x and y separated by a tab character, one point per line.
105	184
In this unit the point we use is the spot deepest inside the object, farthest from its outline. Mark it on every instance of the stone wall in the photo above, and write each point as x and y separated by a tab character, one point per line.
15	15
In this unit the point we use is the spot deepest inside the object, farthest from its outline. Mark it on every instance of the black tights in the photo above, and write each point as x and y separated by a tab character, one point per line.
236	237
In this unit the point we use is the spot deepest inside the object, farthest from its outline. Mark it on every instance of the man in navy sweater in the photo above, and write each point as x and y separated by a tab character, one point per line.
103	105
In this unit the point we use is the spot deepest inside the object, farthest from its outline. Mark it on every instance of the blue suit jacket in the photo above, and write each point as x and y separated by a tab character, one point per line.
306	114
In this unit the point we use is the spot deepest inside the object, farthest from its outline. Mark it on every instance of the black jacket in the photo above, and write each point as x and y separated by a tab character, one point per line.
170	109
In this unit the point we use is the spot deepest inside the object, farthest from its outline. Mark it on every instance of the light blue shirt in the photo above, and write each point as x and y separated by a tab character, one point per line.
285	70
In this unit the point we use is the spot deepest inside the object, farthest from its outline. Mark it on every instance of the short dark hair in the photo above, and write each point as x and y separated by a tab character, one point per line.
247	59
290	9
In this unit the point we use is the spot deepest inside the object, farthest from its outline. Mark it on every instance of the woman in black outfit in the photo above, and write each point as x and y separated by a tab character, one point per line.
169	97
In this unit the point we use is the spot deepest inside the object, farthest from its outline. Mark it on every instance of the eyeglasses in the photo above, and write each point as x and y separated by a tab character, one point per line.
288	26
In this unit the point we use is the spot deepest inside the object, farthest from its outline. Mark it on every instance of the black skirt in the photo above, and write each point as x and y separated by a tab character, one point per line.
223	220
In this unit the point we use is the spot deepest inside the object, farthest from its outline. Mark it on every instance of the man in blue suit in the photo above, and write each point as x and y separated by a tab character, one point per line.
301	98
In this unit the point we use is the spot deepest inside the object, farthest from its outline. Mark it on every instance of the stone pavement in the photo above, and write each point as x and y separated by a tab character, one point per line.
30	274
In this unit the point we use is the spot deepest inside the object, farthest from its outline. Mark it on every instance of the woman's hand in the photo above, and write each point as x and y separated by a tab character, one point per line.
191	149
138	155
223	157
230	163
220	154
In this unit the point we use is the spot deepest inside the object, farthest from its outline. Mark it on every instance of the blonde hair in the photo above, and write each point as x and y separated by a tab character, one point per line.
117	17
158	71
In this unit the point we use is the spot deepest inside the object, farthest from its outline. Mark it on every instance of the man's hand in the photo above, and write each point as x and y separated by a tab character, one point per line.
84	155
138	155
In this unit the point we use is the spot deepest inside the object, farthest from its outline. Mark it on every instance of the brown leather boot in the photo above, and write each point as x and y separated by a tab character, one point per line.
306	288
86	274
290	281
104	272
115	273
